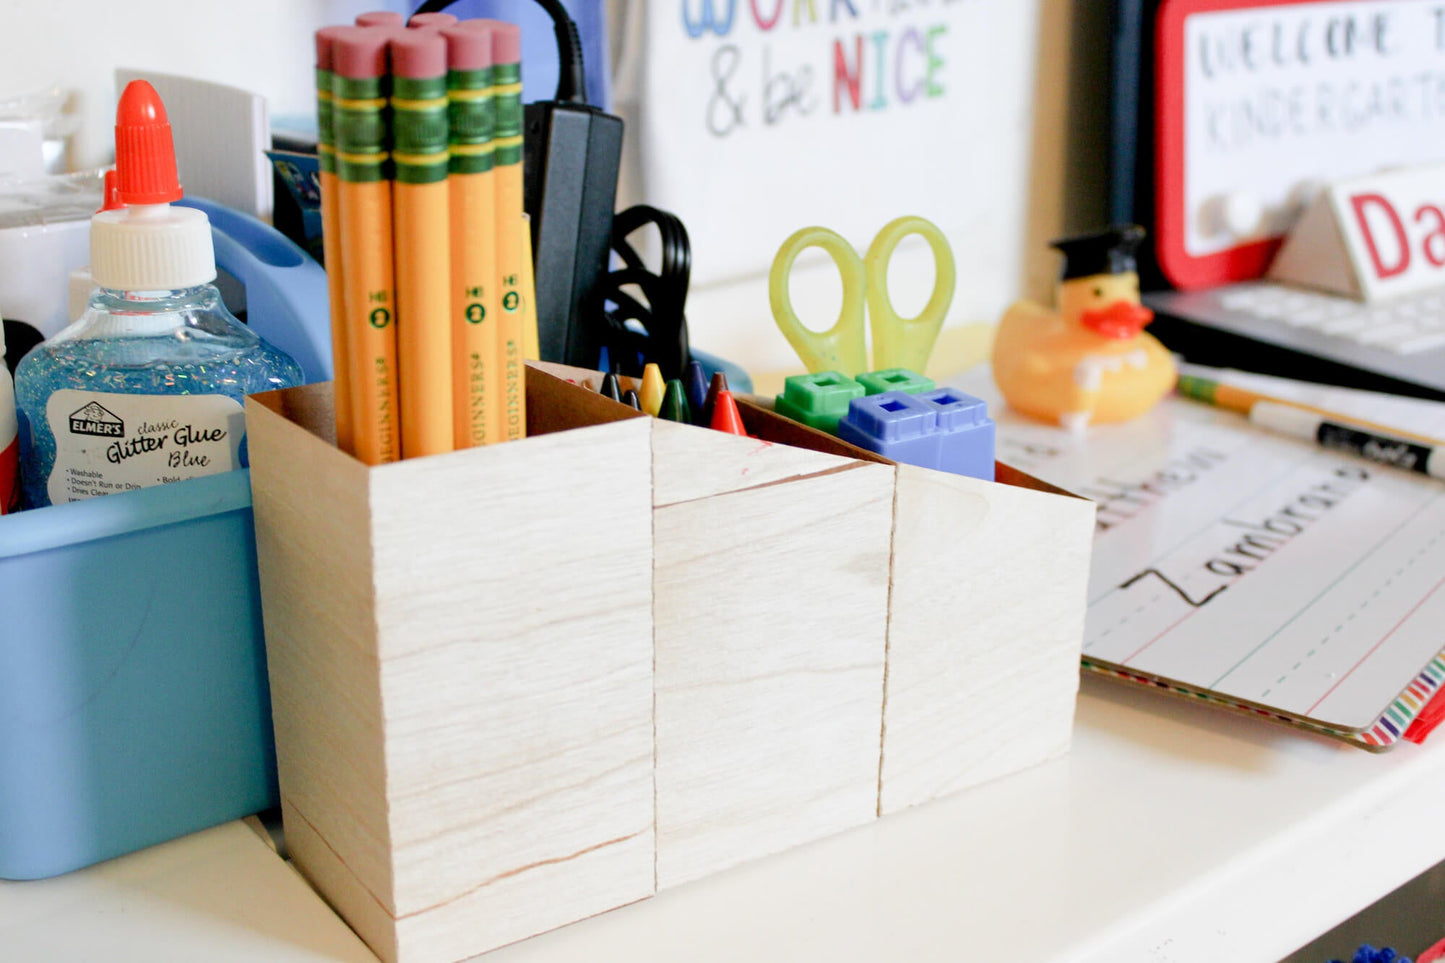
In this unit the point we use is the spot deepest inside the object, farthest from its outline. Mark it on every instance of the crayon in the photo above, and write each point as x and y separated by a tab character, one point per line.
674	405
476	404
725	415
695	381
511	257
364	202
652	389
420	215
610	387
719	383
331	238
630	399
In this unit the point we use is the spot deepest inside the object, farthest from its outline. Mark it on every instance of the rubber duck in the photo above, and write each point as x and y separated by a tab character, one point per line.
1089	361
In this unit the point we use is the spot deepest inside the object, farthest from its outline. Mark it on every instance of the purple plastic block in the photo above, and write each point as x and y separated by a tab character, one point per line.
942	429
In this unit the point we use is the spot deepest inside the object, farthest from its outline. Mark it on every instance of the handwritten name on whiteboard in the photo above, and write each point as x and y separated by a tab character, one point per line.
1283	98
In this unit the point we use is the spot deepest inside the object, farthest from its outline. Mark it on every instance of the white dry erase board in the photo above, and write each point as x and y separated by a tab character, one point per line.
1262	102
750	119
1255	569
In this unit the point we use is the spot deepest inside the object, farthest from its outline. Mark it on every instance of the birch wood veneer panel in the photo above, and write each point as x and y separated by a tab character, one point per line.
504	666
691	462
986	621
770	617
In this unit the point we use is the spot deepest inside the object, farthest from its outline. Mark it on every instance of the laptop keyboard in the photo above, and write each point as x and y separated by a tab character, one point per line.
1404	325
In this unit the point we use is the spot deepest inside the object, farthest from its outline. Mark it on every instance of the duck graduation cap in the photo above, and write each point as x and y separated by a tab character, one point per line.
1089	360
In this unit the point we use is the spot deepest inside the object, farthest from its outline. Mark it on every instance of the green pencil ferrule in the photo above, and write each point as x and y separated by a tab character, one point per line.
508	154
478	163
420	131
410	172
367	171
470	121
418	88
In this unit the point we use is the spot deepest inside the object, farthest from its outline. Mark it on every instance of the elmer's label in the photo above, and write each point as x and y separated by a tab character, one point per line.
106	443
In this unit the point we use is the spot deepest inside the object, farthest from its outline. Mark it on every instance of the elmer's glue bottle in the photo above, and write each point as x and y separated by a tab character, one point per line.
147	386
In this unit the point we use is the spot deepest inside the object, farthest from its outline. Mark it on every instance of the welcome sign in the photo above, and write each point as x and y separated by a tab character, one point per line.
752	118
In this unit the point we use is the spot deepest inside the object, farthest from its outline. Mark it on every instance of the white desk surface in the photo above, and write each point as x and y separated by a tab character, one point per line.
1172	832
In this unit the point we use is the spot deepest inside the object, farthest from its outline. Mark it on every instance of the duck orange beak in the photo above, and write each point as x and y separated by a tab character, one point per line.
1121	319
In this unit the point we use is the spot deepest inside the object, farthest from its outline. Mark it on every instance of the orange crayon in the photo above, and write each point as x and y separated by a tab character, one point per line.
331	238
476	382
420	206
364	202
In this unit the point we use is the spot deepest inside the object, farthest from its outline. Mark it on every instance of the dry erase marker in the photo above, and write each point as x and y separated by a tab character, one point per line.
1372	442
1379	443
476	383
420	205
364	192
331	238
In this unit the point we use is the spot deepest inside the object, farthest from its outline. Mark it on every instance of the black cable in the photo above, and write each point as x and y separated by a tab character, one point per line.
663	338
571	77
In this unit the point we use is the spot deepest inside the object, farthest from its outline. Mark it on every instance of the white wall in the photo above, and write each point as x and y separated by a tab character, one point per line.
266	46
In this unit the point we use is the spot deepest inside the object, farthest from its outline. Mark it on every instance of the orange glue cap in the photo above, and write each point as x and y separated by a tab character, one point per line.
145	157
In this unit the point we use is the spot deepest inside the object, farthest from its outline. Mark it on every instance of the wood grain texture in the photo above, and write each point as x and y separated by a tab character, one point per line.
985	626
465	691
691	463
771	609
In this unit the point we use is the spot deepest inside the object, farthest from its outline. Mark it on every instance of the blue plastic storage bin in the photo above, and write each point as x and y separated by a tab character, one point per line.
134	704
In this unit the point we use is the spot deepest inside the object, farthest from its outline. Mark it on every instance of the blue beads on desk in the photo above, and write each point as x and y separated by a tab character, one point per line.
943	429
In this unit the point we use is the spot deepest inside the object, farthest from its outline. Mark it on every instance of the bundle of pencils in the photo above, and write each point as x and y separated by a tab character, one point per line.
424	236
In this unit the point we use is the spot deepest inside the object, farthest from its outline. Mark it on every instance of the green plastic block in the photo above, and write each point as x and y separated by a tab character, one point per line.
895	379
818	400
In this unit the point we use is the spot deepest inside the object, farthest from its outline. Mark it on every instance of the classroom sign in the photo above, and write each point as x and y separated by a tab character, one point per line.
752	118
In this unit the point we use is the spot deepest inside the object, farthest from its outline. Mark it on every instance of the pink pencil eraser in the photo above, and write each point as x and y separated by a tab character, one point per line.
506	38
467	47
418	54
431	21
380	18
359	53
325	45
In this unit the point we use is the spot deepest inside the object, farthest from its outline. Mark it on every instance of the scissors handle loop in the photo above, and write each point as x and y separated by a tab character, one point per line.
900	342
841	348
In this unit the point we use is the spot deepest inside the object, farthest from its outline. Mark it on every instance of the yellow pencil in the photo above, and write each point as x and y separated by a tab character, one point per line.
420	210
364	203
511	253
476	383
331	239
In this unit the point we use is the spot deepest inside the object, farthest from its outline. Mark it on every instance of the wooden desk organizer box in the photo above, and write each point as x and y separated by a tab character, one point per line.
517	686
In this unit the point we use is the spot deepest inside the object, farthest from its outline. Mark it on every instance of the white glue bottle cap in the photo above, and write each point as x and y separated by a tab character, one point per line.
147	244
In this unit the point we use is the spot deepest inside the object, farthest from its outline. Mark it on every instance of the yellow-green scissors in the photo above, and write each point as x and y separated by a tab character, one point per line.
898	342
